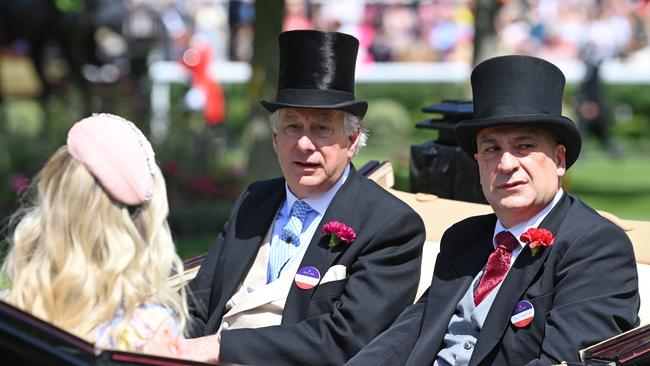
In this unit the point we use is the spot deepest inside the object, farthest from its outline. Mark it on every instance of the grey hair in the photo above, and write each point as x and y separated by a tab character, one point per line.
351	123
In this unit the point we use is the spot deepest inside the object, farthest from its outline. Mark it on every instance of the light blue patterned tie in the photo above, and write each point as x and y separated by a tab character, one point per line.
289	241
292	230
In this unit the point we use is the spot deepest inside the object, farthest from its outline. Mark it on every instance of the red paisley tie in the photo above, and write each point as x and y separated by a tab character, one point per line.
497	265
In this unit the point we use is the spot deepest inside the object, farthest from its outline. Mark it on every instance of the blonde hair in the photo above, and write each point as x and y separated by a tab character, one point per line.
77	256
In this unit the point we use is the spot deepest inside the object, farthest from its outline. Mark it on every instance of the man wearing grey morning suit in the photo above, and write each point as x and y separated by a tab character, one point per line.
312	266
542	277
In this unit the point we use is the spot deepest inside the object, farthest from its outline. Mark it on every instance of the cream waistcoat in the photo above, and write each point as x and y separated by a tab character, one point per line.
258	304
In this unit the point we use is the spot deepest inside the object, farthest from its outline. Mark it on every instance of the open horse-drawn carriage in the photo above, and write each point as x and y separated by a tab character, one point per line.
28	340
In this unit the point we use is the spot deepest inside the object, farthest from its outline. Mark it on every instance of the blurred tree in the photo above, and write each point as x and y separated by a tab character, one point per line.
265	63
485	34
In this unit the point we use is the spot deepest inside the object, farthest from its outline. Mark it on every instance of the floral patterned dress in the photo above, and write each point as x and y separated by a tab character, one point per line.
151	329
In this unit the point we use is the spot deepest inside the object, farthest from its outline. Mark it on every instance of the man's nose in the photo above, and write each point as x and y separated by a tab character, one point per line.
508	162
305	143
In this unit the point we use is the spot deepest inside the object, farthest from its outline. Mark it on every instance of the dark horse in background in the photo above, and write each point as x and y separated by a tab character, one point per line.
40	23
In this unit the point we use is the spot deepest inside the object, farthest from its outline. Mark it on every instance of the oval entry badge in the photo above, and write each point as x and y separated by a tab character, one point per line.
523	314
307	277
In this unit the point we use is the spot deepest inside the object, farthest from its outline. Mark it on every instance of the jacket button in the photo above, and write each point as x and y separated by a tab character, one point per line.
467	346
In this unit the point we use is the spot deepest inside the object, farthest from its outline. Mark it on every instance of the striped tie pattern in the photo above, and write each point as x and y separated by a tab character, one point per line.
289	240
291	231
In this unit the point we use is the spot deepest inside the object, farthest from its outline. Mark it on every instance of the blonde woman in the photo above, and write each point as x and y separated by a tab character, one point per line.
92	252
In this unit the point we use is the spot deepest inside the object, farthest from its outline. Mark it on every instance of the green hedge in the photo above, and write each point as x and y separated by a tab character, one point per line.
204	165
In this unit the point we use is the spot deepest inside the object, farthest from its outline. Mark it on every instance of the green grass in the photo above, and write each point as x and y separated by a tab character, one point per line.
620	186
617	185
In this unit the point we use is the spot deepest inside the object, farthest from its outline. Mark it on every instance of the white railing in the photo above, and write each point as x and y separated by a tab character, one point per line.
164	73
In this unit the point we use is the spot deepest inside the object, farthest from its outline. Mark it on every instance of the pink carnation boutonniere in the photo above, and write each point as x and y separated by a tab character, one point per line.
339	232
537	239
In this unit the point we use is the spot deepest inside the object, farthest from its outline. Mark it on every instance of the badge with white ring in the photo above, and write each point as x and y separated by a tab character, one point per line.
307	277
523	314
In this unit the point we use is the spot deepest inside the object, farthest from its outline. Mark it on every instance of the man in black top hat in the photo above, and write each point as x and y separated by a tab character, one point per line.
542	277
312	266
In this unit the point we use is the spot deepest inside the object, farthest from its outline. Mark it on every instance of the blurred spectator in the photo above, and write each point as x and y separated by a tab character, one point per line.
400	29
366	32
177	30
393	31
452	31
241	15
594	117
210	19
296	15
560	30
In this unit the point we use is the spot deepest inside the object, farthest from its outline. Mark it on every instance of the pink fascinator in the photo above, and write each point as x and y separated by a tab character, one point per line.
115	152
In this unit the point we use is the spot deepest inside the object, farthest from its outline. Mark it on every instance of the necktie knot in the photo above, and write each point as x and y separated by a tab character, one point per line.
505	240
284	249
300	209
292	230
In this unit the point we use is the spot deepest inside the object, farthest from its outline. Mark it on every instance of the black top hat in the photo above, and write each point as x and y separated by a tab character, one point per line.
520	91
317	71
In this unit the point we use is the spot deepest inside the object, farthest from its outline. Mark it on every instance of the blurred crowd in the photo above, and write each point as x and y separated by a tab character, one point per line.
443	30
573	29
424	30
393	30
388	30
106	40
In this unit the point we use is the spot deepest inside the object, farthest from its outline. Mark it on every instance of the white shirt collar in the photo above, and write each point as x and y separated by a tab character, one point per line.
319	202
534	221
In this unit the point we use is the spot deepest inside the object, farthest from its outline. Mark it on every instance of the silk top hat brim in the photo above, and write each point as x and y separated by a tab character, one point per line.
519	91
315	98
561	128
317	71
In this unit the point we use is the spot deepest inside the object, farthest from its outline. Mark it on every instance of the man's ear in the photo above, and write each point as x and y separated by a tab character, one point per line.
274	137
353	140
560	159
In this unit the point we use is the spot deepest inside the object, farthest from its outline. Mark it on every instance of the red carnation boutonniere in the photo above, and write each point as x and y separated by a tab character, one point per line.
339	232
537	239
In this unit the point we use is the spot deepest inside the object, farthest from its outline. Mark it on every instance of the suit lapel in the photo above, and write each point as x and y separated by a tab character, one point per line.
514	287
253	222
344	208
450	282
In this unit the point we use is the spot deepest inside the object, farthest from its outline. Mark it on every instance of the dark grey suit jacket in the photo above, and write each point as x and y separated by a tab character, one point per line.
583	288
329	323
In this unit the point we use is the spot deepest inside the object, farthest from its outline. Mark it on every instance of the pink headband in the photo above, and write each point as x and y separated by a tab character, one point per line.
115	152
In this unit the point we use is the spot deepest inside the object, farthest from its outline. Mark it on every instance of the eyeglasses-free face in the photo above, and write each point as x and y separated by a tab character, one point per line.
520	170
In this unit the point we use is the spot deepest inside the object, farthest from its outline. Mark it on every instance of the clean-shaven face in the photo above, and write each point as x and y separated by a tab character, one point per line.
520	170
312	148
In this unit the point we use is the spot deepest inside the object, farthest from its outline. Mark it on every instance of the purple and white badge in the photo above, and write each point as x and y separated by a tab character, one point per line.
307	277
523	314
